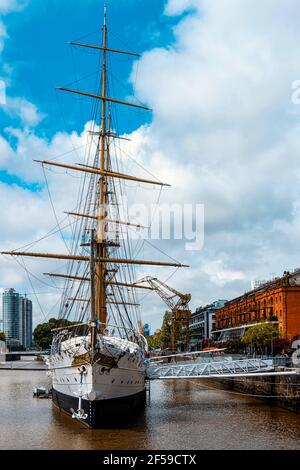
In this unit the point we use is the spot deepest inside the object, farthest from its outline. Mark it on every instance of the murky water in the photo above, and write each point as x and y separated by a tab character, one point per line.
181	415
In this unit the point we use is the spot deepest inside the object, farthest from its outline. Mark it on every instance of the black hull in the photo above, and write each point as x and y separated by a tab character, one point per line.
103	413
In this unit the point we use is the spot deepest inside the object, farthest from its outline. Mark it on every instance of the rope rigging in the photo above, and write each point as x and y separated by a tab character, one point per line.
105	188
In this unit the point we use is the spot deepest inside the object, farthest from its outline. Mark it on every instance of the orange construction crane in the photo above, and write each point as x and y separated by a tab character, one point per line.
180	312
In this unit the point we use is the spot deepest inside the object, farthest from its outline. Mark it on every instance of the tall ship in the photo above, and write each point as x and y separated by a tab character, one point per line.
97	358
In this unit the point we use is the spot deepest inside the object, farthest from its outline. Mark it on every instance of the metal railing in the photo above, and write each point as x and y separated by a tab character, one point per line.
224	368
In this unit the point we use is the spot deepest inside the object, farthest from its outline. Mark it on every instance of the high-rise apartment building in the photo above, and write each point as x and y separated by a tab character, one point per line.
17	317
26	322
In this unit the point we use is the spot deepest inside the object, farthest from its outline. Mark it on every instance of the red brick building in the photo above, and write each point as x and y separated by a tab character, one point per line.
276	302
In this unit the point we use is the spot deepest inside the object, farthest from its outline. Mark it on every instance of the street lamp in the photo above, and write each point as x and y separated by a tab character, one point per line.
272	348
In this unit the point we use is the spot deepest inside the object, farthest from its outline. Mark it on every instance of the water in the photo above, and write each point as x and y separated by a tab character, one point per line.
182	415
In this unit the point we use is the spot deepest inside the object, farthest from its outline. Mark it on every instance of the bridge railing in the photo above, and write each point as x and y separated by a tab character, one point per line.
209	369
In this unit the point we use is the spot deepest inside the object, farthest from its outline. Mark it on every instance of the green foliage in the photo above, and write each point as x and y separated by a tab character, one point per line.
163	340
260	336
154	341
166	333
43	335
2	336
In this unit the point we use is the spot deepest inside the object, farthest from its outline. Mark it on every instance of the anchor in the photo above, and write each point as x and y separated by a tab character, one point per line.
80	413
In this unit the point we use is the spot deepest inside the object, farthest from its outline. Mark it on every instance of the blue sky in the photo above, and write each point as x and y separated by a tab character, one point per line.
41	59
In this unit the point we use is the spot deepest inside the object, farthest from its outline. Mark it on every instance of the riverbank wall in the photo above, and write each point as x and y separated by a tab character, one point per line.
23	365
283	391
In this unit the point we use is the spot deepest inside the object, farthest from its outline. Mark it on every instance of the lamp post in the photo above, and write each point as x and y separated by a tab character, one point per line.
272	346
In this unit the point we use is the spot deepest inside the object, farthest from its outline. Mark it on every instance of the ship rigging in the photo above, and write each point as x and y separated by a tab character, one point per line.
97	364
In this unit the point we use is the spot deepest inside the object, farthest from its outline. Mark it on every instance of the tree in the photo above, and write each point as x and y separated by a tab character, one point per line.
154	341
163	339
260	336
166	332
43	333
2	336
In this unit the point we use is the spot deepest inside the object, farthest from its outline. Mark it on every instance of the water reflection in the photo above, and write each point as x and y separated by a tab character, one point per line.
181	415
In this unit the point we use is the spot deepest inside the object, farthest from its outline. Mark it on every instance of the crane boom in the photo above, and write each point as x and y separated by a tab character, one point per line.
163	290
179	305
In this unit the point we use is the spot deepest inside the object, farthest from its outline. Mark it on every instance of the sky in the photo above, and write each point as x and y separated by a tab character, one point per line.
224	131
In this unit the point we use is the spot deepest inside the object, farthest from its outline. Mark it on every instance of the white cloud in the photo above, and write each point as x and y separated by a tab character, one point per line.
7	6
224	133
26	215
26	111
28	147
6	152
176	7
15	106
226	92
220	275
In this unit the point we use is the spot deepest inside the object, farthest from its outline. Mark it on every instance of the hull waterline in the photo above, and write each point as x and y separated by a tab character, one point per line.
103	413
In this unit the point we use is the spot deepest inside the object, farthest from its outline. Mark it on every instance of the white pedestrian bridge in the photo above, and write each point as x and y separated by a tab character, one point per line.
214	368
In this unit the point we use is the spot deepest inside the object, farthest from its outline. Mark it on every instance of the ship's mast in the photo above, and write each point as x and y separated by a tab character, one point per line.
102	203
99	258
94	317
